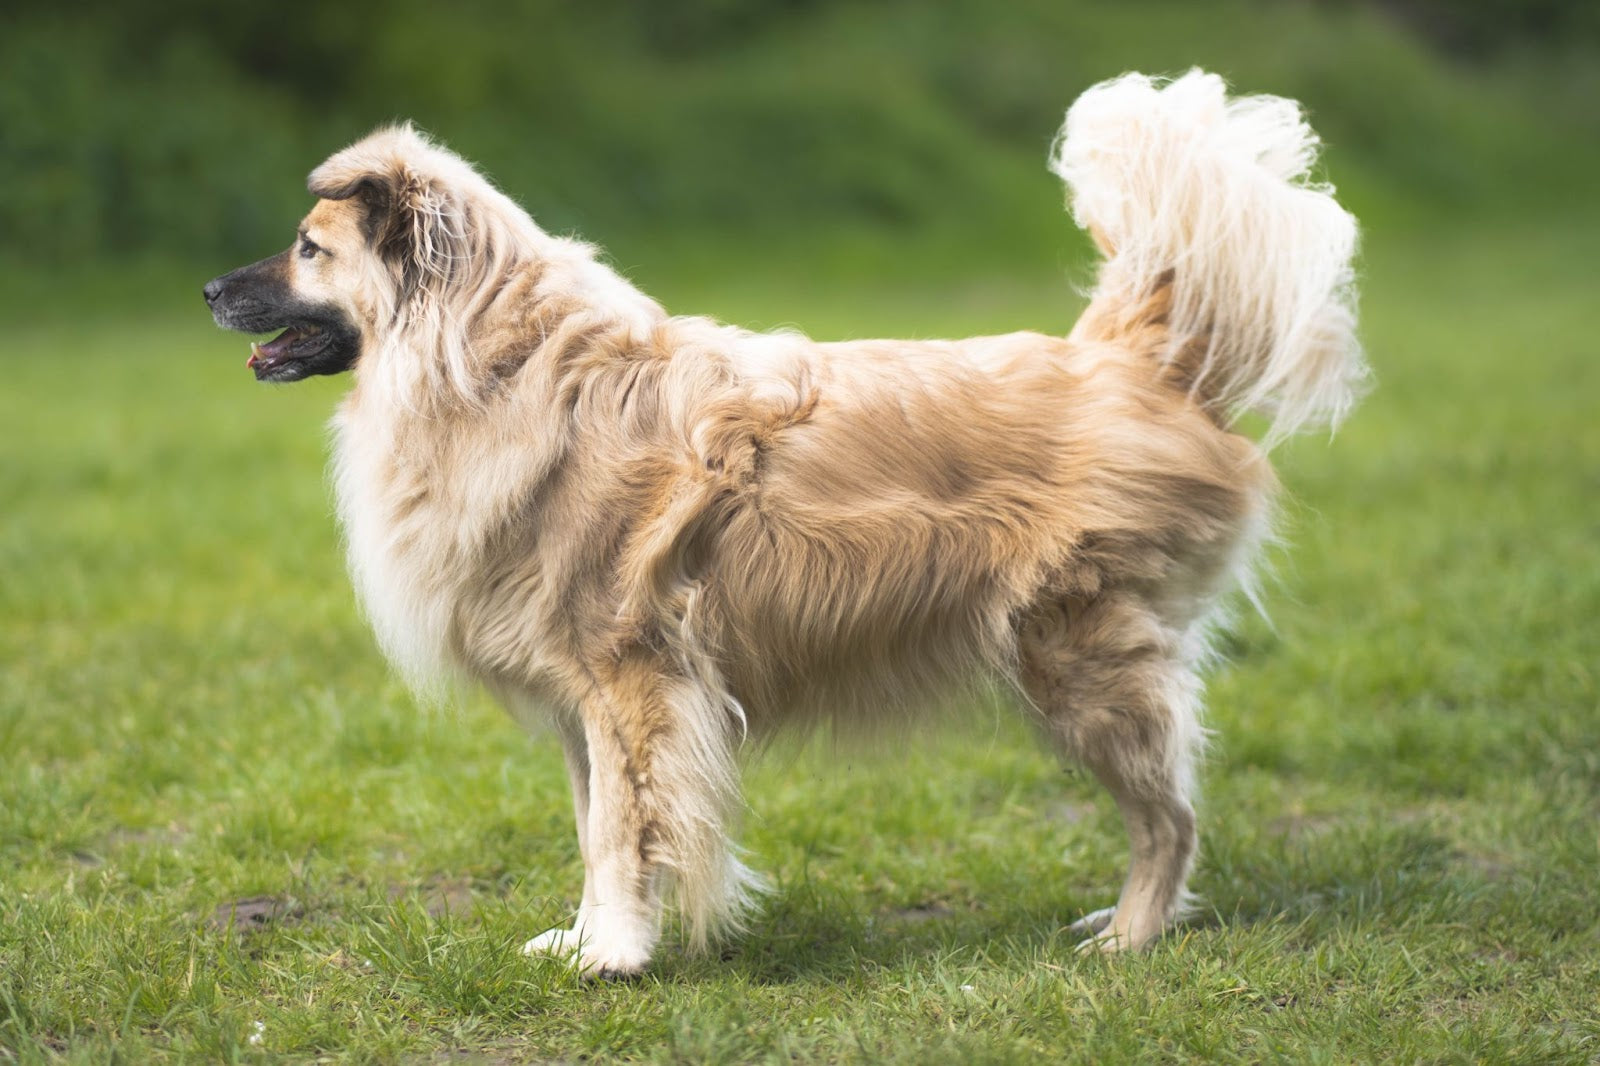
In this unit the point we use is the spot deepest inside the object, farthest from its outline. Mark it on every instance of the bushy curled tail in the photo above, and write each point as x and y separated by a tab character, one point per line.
1205	203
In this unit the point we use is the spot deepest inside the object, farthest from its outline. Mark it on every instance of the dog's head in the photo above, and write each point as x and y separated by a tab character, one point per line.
392	232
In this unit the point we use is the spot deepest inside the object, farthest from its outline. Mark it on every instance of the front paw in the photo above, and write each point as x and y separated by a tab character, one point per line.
552	942
1093	923
591	953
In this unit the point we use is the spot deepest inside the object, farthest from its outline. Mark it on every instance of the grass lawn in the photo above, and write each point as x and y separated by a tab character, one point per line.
227	833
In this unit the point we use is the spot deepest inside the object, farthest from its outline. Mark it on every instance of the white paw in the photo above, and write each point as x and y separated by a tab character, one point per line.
1091	924
1108	942
591	952
1102	935
552	942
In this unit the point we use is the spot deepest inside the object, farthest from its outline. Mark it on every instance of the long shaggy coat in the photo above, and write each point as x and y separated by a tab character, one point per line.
672	537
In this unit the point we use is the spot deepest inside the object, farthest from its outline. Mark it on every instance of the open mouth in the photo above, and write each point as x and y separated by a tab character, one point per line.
279	358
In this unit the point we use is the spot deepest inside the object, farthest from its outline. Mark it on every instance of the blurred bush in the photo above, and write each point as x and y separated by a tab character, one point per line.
182	128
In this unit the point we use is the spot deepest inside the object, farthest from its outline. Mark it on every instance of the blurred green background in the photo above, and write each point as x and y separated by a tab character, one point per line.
183	130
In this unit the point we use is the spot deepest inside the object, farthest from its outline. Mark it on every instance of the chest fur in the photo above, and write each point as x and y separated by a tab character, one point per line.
428	510
402	555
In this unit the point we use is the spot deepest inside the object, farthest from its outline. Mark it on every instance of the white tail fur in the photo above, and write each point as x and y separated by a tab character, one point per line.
1172	176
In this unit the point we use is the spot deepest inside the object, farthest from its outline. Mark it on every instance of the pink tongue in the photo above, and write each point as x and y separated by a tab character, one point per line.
278	344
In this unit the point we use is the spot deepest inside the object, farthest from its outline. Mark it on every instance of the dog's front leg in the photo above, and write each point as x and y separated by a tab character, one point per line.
575	749
608	754
657	756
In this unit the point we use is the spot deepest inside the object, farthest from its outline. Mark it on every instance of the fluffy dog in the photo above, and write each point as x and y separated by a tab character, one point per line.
672	537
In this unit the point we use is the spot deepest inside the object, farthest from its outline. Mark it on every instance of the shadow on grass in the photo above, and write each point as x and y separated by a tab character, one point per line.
1370	874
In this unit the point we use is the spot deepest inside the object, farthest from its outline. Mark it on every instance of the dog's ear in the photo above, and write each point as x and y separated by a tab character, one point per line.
372	170
414	218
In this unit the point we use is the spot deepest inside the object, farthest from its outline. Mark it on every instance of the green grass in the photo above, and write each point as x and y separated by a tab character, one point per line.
1399	823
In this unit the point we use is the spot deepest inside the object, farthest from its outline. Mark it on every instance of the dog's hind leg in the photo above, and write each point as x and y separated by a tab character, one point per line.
660	784
1111	683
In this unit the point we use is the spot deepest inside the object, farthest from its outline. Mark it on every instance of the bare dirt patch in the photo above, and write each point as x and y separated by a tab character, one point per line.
253	914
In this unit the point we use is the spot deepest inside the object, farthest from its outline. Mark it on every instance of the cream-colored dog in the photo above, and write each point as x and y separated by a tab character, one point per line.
674	537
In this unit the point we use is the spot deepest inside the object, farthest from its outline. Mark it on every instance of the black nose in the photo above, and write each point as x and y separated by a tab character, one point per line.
213	290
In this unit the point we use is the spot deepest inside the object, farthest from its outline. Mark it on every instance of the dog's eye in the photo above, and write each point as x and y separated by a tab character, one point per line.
307	249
